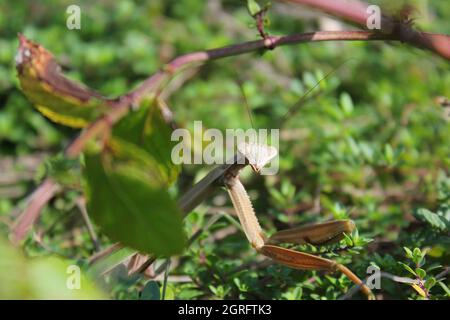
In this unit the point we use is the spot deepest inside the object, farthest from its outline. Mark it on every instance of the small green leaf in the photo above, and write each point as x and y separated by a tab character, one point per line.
253	7
346	103
389	154
418	256
408	268
367	151
348	240
277	197
213	289
445	288
430	283
295	294
354	147
361	241
409	253
339	211
434	220
421	273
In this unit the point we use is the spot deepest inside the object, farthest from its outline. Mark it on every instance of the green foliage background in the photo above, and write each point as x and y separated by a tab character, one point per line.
370	144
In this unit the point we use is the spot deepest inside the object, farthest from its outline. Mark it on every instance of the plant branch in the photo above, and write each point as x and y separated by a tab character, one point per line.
151	84
355	11
122	105
38	199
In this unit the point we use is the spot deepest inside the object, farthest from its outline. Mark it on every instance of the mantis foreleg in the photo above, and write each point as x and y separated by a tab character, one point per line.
323	233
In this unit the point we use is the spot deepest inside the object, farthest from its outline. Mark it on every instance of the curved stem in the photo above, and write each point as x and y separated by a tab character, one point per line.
122	104
355	11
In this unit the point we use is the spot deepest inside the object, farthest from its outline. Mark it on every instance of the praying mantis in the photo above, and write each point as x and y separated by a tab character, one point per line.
316	234
257	156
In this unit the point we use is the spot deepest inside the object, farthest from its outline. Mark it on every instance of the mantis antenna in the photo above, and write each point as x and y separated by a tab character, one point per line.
292	109
259	154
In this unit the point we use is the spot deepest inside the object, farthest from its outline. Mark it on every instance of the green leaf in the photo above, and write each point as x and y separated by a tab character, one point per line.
417	255
408	268
436	221
146	129
339	211
151	291
367	151
409	253
389	154
445	288
361	241
41	278
421	273
430	283
348	240
130	203
213	289
354	147
253	7
346	103
295	294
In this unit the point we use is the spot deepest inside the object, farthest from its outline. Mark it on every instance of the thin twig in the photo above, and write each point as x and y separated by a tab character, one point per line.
355	11
81	204
105	252
352	291
444	273
166	275
134	97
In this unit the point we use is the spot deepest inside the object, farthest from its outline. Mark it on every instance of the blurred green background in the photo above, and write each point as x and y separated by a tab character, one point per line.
371	143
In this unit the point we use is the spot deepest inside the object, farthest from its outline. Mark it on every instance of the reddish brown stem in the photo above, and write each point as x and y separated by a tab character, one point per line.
356	12
37	201
152	84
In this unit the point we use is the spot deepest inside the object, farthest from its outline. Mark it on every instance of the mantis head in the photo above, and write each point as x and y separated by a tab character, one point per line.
257	154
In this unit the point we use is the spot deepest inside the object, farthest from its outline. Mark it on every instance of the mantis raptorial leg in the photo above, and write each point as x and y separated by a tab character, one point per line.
324	233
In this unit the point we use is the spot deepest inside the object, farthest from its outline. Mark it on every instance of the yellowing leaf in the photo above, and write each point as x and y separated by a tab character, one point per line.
419	290
54	95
